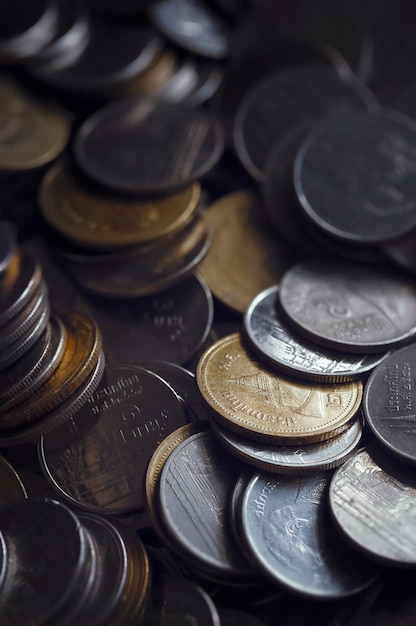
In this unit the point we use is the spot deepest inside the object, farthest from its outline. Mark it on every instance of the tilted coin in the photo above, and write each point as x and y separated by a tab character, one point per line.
97	460
347	306
18	284
254	401
3	560
372	499
354	176
11	487
244	257
155	148
292	459
280	346
100	222
389	400
8	244
292	538
26	28
20	323
282	100
170	326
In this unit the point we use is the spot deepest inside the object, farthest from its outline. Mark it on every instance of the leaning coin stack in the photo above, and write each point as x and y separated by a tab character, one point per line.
49	363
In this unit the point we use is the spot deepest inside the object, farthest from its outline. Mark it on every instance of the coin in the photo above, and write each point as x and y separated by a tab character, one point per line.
97	460
18	284
276	343
154	80
8	244
244	257
292	539
183	597
389	400
372	501
100	222
292	459
255	402
11	487
284	99
192	25
20	323
26	29
169	326
401	251
168	146
349	307
232	617
210	77
362	164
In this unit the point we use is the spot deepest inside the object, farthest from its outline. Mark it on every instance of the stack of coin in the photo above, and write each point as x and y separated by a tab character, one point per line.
49	363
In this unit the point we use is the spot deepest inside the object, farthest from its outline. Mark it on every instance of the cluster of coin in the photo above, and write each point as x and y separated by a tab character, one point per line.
49	363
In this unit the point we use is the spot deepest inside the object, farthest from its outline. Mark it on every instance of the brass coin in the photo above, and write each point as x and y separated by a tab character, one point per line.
105	223
80	356
11	486
245	256
256	402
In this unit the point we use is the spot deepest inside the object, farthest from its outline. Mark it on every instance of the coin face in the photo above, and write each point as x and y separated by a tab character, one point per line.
155	148
291	537
278	344
355	176
372	499
347	306
254	401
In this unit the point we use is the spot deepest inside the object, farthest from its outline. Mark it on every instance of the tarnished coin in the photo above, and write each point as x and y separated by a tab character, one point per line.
256	402
155	148
11	488
389	400
355	176
26	28
99	222
347	306
97	460
18	284
293	459
194	486
291	537
275	342
8	244
284	99
150	268
169	326
244	257
192	25
372	499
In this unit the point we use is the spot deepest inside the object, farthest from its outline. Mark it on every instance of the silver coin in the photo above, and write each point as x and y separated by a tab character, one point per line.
280	346
291	537
293	459
8	244
372	499
350	307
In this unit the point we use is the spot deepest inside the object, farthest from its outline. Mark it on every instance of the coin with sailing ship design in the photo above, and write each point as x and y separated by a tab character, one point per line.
250	399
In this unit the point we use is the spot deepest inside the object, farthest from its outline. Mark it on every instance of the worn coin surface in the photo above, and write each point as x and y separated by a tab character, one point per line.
257	402
372	499
289	534
155	148
278	344
347	306
355	176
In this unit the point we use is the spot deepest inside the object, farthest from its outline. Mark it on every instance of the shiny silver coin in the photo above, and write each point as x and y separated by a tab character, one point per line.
293	459
372	499
275	341
19	348
26	27
18	285
349	307
18	326
291	537
355	176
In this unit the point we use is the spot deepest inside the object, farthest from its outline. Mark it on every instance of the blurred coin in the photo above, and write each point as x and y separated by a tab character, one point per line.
284	99
183	597
192	25
102	222
210	77
19	282
11	487
304	459
8	244
291	537
388	403
98	459
20	323
232	617
274	341
402	251
354	176
155	148
244	257
253	401
372	501
169	326
154	78
26	28
347	306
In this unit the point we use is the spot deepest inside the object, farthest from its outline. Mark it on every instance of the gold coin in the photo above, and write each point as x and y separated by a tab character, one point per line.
251	400
32	133
246	256
154	77
11	486
81	354
104	223
134	600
